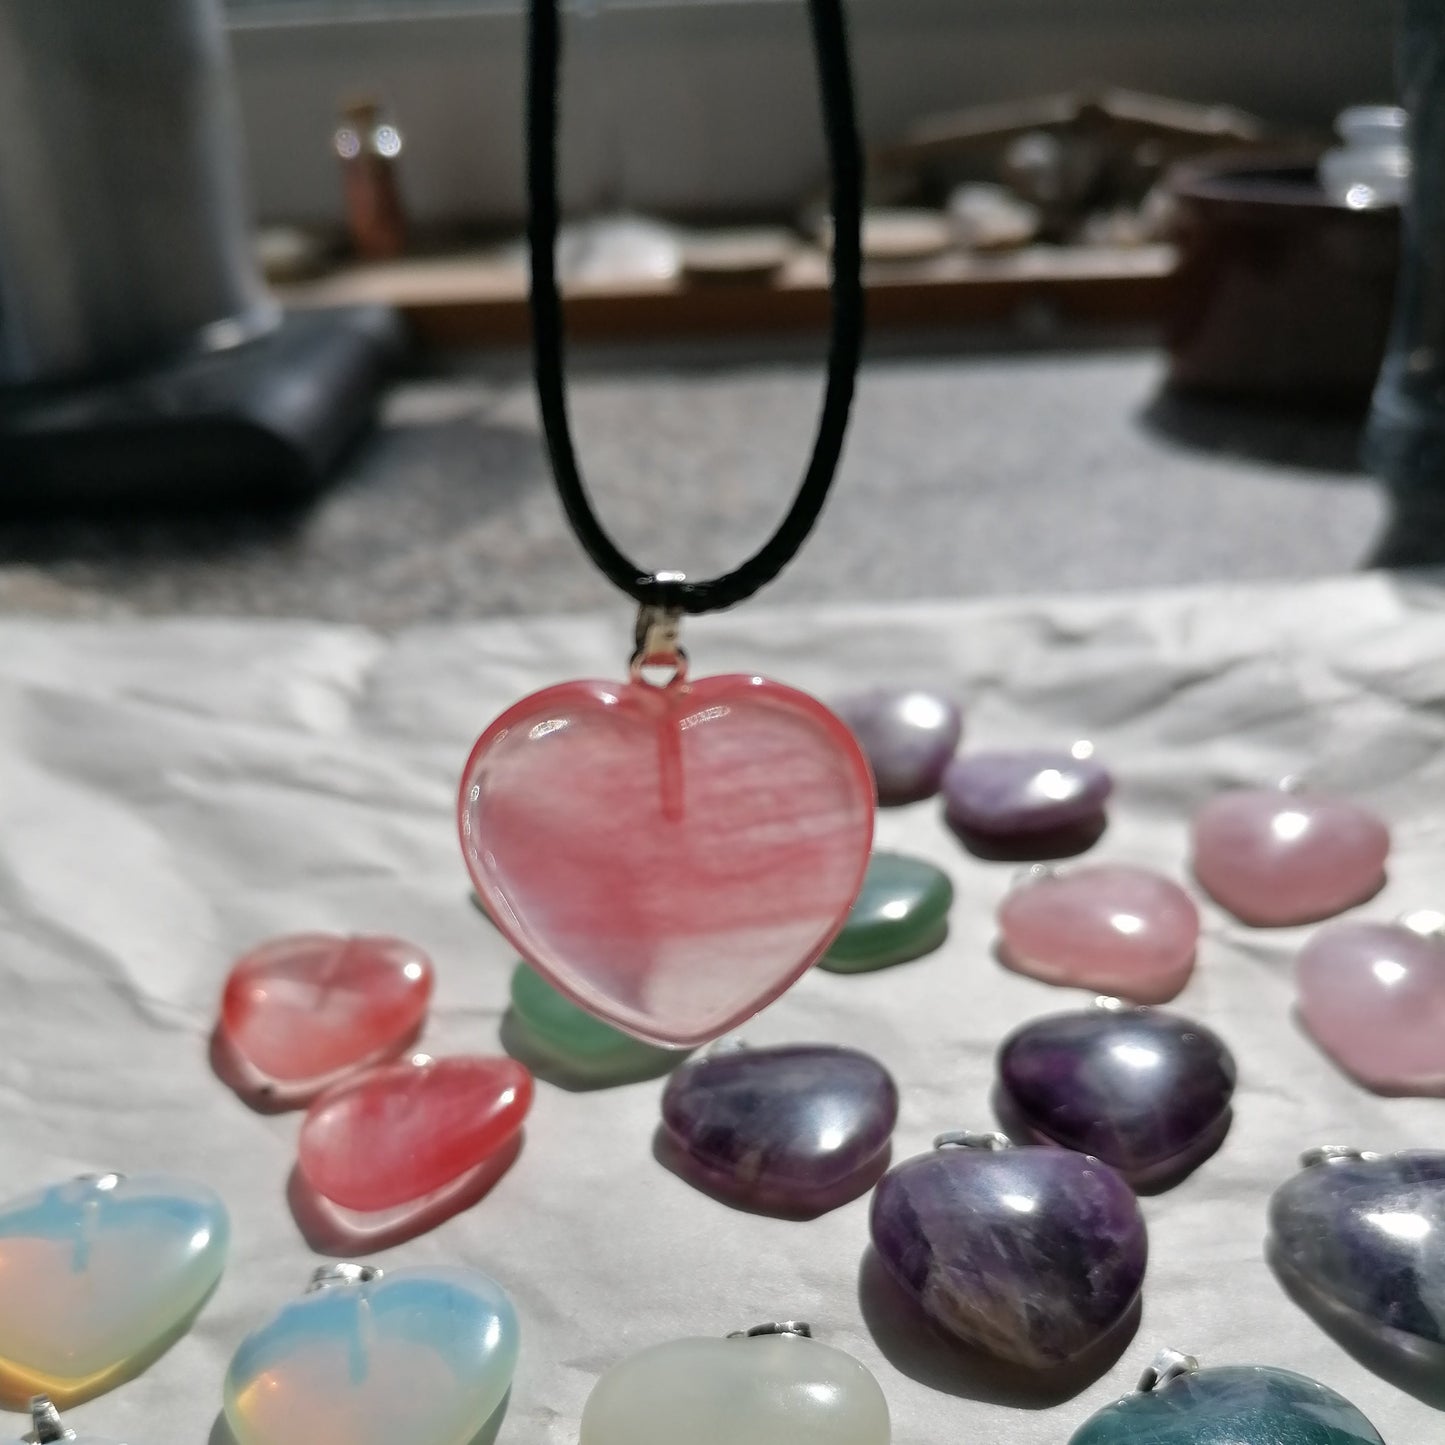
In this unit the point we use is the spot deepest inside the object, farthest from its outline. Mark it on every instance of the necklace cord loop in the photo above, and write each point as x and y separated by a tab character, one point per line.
830	42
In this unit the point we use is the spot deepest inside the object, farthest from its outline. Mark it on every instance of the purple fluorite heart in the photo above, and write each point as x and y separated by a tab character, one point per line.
907	737
1144	1091
1031	1255
1008	794
798	1129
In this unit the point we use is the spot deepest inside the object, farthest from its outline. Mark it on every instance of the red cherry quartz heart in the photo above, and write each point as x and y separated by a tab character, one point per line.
301	1012
670	858
401	1134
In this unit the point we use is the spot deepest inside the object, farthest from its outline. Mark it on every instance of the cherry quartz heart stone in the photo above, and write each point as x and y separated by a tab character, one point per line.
402	1135
1148	1093
1366	1236
1274	858
1113	929
909	738
1032	1255
800	1128
672	858
1373	997
301	1012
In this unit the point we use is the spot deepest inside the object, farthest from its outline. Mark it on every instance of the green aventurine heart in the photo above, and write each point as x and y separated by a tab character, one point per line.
1231	1405
901	913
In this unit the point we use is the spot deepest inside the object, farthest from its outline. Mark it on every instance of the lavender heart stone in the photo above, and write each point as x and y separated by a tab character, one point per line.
1031	1255
1007	794
1145	1091
798	1129
1368	1236
907	737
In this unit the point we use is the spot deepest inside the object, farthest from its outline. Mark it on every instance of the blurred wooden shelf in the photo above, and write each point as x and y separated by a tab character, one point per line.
468	300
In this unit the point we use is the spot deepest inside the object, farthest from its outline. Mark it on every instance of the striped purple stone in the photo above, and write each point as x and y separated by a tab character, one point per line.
1006	794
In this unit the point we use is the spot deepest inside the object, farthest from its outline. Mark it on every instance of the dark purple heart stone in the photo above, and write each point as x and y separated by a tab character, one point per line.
907	737
1031	1255
1145	1091
798	1129
1008	794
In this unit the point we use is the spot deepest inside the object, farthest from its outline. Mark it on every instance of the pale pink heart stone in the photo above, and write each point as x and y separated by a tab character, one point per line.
1106	927
670	858
1274	858
1373	997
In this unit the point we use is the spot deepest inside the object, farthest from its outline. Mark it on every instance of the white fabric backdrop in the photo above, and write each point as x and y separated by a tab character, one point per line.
172	792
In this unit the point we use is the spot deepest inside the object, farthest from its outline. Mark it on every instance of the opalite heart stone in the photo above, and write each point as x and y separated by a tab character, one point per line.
796	1128
1005	794
418	1355
1367	1235
1231	1405
300	1012
673	858
759	1390
402	1134
901	913
1030	1254
97	1276
1146	1092
908	738
1106	927
1373	997
1274	858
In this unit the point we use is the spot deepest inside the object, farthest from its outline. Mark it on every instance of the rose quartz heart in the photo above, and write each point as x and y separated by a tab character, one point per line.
671	859
301	1011
400	1134
1274	858
1373	997
1107	927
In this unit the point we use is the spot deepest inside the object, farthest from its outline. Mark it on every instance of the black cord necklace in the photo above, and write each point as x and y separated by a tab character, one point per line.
668	592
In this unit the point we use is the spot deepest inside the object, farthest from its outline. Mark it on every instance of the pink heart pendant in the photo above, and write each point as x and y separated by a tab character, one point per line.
670	858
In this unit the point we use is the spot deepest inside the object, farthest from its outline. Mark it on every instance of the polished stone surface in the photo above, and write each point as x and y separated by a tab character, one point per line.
908	737
785	1127
1373	997
1368	1236
1029	1254
399	1134
764	1390
97	1275
1110	928
670	858
577	1037
901	913
1274	858
1231	1405
300	1012
1145	1091
422	1355
1007	794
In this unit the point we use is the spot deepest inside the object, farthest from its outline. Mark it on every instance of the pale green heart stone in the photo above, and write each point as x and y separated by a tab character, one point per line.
901	913
765	1390
575	1036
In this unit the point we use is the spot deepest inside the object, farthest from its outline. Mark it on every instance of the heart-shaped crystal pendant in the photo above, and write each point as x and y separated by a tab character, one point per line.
800	1129
407	1136
420	1355
773	1385
1363	1235
47	1428
1274	857
1147	1092
1032	1254
1373	997
299	1013
98	1276
670	858
1177	1403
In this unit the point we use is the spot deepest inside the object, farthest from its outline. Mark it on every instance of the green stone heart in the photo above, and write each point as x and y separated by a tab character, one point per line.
901	913
575	1037
1231	1405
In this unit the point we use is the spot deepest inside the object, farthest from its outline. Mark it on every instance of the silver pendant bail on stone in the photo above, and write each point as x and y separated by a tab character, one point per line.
655	636
1333	1154
333	1276
973	1139
1167	1365
46	1426
800	1328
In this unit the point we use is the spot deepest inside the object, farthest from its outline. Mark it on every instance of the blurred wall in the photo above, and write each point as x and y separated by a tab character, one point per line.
685	107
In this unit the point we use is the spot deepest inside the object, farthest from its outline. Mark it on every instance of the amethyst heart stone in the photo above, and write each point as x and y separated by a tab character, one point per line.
1364	1235
1147	1092
1017	797
1032	1255
907	737
798	1129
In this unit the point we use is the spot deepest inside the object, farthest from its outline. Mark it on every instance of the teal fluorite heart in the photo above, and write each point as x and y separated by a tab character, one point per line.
1231	1405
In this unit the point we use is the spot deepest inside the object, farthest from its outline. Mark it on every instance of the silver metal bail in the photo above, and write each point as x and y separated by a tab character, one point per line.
800	1328
333	1276
1168	1365
1333	1154
655	636
46	1425
973	1139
